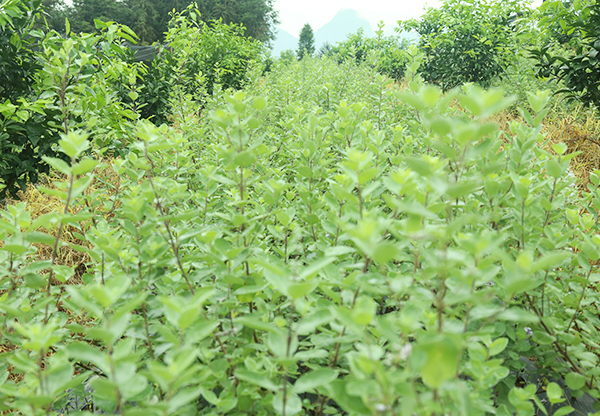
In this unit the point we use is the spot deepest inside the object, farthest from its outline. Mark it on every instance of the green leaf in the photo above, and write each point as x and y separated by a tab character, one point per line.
259	103
498	346
364	311
277	342
553	167
419	165
293	404
443	354
39	237
84	166
351	404
575	381
314	379
554	393
85	353
58	164
299	290
563	411
261	380
559	148
543	338
245	159
551	260
254	323
63	273
385	252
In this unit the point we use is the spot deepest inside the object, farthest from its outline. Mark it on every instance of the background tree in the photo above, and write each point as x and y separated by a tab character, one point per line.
466	41
149	19
83	13
258	16
144	19
306	43
55	12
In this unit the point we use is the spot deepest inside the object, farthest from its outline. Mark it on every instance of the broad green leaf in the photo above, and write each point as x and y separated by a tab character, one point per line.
293	404
299	290
563	411
554	169
314	379
551	260
261	380
364	311
554	393
254	323
385	252
443	355
498	346
543	338
245	159
575	381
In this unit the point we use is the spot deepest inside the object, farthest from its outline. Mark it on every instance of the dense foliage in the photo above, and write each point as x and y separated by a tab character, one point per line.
579	70
466	41
386	54
149	19
26	135
320	242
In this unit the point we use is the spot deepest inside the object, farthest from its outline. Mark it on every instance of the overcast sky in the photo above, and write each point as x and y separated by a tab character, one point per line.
295	13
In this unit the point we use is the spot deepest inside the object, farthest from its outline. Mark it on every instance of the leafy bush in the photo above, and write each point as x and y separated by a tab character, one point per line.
580	72
26	135
466	41
388	53
216	53
197	56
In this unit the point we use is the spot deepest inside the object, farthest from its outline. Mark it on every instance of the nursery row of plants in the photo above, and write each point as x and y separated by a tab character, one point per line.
312	239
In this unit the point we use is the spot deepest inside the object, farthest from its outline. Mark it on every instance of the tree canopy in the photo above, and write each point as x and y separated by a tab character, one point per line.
306	42
149	19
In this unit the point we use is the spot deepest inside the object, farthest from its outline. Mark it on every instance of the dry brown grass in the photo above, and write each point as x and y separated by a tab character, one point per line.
578	130
105	185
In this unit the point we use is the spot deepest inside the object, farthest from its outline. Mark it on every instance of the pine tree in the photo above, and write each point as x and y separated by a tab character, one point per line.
306	43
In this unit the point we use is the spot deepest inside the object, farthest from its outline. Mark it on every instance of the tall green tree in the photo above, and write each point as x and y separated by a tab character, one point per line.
149	19
55	12
306	43
83	13
143	18
259	17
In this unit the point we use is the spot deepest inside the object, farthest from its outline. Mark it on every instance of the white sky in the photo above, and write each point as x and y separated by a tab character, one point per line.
295	13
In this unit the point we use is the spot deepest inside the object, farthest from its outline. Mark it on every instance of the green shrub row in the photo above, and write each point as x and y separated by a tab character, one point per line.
309	248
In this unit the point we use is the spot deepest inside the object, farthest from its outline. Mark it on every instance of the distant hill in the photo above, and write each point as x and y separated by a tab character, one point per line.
284	40
343	23
346	21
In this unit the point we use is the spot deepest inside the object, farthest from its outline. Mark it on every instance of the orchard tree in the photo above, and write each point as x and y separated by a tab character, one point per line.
466	41
306	43
579	70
